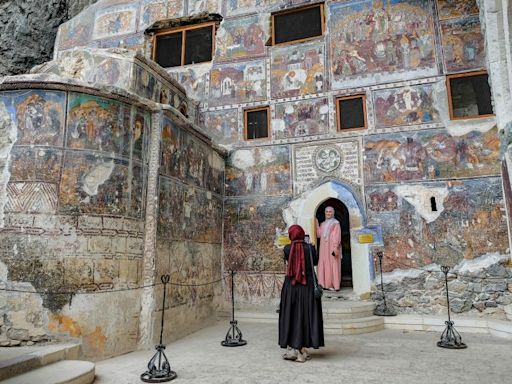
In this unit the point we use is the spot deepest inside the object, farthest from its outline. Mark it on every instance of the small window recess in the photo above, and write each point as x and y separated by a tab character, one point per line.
433	204
469	95
285	24
351	112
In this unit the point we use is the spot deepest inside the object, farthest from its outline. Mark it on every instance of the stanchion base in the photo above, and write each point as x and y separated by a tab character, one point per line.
450	338
233	343
233	336
443	344
159	369
384	310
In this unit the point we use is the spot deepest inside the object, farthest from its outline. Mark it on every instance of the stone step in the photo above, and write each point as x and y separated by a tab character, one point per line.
354	326
18	360
61	372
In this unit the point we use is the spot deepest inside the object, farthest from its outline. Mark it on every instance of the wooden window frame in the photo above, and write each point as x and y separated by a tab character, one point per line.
184	29
269	131
338	112
449	92
297	9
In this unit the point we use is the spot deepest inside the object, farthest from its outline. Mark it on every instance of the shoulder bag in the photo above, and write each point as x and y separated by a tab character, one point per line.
319	291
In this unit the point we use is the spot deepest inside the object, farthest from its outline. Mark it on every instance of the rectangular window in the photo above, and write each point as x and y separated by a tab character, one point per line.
298	24
257	123
186	45
469	95
351	112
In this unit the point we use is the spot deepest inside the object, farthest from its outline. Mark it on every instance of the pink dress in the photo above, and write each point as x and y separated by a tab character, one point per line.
329	266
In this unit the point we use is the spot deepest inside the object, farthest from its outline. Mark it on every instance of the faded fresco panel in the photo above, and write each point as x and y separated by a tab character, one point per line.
372	37
433	154
140	127
77	31
241	38
198	6
448	9
152	11
297	70
39	115
405	106
253	221
35	164
114	21
194	79
132	42
111	71
263	171
470	222
98	123
301	118
238	83
145	84
138	189
94	184
463	44
238	7
223	125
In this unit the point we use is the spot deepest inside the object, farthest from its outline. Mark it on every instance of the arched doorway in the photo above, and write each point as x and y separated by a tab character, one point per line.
342	215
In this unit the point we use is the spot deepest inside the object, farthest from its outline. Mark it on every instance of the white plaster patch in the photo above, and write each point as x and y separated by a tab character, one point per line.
480	263
399	274
420	198
8	135
97	176
243	159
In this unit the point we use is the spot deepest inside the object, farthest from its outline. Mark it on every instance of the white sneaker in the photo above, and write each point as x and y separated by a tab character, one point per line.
301	358
291	354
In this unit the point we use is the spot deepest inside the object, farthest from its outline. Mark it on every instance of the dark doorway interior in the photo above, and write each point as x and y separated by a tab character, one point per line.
342	216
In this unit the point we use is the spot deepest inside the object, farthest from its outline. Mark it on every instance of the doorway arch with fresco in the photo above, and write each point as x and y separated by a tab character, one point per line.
342	215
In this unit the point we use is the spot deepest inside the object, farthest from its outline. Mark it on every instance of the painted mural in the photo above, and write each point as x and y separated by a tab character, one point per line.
108	70
114	21
238	7
297	70
223	125
95	184
145	84
238	83
433	154
448	9
152	11
193	78
77	31
301	118
376	37
187	213
262	170
35	164
198	6
405	106
99	124
140	125
463	44
471	223
188	159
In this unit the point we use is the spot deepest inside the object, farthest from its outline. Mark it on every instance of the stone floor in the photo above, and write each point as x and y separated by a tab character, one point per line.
382	357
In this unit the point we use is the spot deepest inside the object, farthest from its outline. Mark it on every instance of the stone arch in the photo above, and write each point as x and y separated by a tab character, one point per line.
302	211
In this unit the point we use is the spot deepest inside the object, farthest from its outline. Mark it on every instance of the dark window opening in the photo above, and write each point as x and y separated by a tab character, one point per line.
351	112
186	46
256	124
300	24
470	96
433	204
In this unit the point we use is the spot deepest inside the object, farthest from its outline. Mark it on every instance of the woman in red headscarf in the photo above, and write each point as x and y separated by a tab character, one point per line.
300	314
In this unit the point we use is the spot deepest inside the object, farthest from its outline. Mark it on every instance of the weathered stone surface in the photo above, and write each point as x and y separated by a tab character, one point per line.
17	334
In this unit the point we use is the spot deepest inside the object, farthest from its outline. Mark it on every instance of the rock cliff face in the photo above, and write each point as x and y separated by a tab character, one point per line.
28	29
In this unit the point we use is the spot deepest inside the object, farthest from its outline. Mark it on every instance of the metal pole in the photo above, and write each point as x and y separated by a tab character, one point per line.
450	338
234	335
384	309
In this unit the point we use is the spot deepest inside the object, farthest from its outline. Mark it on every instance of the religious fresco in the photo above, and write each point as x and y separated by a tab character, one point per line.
301	118
405	106
152	11
261	170
238	7
187	213
111	71
77	31
35	164
463	44
238	83
145	84
448	9
250	227
193	78
375	37
138	190
98	123
297	70
94	184
140	126
241	38
39	115
471	222
132	42
223	125
198	6
432	154
188	159
114	21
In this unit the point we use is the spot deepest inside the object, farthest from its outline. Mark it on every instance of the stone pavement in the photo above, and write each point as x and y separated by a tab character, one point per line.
382	357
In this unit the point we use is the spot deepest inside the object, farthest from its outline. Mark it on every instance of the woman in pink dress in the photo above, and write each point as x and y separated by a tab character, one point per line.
329	264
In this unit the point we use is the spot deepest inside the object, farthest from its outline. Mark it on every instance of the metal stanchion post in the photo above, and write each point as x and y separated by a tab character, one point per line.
450	337
383	309
159	369
234	335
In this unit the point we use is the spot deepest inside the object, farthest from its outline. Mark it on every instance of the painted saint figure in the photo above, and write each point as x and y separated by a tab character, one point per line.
329	264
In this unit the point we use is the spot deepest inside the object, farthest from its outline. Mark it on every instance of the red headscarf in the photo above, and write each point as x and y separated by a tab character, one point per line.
296	262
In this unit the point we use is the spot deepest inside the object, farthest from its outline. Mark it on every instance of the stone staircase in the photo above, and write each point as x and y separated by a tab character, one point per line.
343	315
45	364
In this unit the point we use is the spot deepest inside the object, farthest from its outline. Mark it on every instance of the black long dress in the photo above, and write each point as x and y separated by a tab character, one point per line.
300	314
